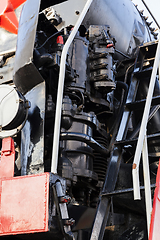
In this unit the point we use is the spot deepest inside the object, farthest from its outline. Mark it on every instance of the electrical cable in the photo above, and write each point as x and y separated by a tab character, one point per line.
49	39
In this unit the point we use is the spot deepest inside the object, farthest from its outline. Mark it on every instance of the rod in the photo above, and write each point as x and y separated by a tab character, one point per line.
123	191
151	13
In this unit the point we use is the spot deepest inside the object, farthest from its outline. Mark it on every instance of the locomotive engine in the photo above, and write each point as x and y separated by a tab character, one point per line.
76	68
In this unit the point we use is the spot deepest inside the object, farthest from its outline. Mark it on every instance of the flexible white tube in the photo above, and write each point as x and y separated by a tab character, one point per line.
56	136
135	168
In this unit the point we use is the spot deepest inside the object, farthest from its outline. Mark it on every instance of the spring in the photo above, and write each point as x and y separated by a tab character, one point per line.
100	162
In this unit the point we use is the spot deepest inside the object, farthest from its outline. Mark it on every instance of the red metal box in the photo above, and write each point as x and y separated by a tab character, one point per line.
24	204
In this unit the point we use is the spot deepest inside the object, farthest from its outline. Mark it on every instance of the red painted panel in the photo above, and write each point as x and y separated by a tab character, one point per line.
7	158
16	3
8	18
155	218
24	204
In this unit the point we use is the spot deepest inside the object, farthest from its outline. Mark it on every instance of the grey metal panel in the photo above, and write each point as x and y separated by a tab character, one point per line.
26	33
26	76
69	12
32	141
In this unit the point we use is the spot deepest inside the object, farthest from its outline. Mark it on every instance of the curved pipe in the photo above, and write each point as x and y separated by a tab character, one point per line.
56	136
123	85
86	139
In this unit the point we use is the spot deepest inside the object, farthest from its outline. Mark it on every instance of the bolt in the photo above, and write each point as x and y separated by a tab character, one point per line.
145	17
141	11
65	199
69	222
149	23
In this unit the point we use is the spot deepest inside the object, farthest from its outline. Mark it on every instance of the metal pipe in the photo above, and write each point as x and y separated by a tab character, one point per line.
56	135
147	184
135	168
123	191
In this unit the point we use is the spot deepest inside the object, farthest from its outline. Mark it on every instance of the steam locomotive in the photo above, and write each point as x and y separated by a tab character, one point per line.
73	118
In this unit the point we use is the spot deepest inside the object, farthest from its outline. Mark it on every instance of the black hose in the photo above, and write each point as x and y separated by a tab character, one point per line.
86	139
